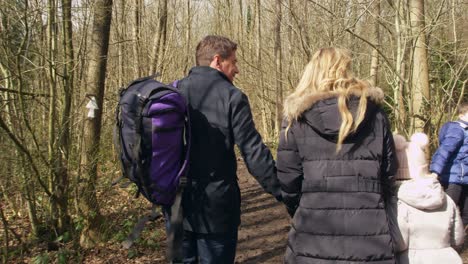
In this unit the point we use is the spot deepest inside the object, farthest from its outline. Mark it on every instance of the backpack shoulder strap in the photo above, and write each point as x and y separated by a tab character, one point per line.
151	77
175	231
116	136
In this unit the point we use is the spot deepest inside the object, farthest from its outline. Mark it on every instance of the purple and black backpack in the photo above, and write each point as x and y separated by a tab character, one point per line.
153	138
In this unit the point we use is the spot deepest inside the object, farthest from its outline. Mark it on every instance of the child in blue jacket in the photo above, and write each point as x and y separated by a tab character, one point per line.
450	161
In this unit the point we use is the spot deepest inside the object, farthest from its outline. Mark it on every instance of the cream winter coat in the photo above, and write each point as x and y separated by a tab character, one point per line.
429	222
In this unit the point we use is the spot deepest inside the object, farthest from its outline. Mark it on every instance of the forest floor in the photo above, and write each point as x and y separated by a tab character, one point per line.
262	235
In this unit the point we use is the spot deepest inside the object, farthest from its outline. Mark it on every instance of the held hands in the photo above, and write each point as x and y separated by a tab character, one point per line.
291	211
434	176
279	198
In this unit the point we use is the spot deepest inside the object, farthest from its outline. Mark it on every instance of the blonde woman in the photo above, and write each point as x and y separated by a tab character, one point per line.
336	157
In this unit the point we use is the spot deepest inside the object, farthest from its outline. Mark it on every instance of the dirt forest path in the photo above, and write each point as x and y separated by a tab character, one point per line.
264	224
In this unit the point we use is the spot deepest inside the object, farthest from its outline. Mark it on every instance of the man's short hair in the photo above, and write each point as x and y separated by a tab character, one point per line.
463	107
211	45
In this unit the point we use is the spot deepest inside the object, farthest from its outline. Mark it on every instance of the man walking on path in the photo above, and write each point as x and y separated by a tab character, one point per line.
220	117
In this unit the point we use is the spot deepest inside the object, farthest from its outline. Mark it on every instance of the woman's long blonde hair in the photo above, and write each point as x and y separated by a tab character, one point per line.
329	71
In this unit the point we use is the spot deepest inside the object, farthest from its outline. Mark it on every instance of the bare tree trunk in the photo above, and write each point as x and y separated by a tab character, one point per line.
330	25
89	206
240	29
159	38
64	136
352	14
163	37
279	70
121	30
399	89
227	15
376	41
217	25
80	74
454	26
420	76
52	152
136	38
291	50
188	33
263	89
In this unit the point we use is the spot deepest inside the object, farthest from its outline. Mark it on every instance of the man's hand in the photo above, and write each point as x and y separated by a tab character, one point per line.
279	198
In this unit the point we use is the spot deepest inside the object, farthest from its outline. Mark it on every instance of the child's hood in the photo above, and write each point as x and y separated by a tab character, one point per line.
422	193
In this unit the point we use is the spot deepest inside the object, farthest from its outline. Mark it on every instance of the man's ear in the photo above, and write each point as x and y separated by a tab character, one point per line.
215	63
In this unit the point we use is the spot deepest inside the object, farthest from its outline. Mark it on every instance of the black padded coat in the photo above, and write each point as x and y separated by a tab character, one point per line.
337	200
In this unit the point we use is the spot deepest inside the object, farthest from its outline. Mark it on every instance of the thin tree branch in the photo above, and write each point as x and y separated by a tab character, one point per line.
434	21
348	29
3	89
387	61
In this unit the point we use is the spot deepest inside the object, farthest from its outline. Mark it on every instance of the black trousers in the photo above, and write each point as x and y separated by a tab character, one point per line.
459	194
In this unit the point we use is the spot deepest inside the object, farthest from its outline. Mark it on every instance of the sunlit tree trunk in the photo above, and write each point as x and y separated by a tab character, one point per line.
136	38
240	24
376	41
52	143
89	207
58	136
121	31
420	73
160	39
400	67
279	69
188	33
263	89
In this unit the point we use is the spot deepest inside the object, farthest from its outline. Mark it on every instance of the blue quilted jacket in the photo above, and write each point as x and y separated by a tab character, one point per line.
450	161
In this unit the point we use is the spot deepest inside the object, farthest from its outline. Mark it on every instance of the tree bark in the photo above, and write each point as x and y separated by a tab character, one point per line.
121	38
263	89
52	151
420	73
89	206
64	135
279	69
159	39
376	40
136	38
188	34
400	68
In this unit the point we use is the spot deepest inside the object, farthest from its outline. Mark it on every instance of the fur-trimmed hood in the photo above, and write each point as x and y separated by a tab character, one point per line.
295	107
320	110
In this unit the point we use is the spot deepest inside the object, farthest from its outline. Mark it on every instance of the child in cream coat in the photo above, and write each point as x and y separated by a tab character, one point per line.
428	219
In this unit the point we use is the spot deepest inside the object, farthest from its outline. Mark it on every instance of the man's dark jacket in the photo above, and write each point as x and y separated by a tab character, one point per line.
337	199
220	118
